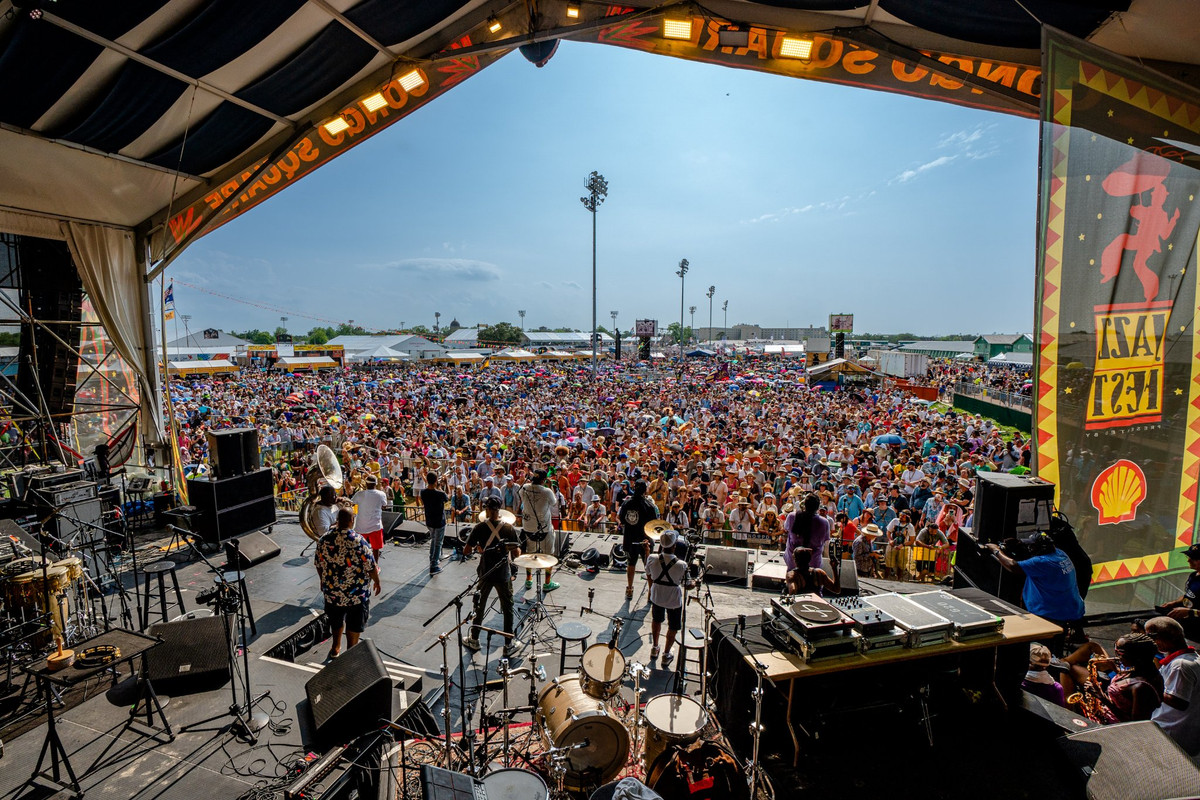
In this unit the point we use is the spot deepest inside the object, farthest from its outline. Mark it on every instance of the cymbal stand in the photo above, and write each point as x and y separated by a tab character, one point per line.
638	671
122	592
756	727
504	694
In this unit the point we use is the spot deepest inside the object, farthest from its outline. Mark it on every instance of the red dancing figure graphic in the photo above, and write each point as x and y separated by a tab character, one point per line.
1142	173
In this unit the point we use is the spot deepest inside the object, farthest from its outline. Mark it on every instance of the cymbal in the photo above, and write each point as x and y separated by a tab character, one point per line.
536	561
505	516
656	528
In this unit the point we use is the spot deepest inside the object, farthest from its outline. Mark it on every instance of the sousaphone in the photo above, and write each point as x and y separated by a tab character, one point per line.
325	469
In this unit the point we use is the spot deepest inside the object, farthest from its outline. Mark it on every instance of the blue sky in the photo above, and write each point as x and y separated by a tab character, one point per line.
794	198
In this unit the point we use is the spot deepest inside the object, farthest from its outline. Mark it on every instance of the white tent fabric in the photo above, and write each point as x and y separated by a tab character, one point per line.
305	362
211	367
112	276
516	354
381	353
464	357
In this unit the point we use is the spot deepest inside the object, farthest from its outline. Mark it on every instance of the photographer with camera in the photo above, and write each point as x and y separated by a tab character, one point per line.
345	564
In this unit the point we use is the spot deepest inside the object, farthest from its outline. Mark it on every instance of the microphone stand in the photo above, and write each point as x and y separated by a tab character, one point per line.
122	592
247	721
457	602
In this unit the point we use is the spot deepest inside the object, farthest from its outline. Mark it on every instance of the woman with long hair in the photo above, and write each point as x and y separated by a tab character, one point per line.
807	537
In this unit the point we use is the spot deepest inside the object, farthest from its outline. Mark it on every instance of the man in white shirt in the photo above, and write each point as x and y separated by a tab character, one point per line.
369	521
537	526
910	478
666	574
1179	714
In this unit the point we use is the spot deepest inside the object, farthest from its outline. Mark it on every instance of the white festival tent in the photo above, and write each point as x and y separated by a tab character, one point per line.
130	128
381	353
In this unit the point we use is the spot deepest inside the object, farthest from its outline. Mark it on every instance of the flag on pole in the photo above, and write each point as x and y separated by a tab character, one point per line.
169	302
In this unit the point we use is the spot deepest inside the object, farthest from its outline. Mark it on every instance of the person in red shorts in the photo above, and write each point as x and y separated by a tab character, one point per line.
369	522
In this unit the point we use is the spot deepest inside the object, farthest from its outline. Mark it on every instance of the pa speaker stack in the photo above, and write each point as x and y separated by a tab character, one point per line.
1011	506
232	506
233	451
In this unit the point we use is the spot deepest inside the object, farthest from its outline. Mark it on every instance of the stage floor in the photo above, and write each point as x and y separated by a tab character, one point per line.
210	762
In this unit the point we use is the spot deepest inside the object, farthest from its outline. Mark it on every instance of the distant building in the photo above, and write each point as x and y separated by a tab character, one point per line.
454	325
208	338
940	348
992	345
745	332
572	339
462	339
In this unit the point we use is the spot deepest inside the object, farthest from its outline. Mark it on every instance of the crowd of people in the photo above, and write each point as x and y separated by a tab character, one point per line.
726	454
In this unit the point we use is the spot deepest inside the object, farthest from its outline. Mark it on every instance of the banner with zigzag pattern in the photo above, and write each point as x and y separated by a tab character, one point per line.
1118	372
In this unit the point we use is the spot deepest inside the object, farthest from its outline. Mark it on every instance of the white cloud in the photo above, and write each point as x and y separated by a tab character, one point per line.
962	139
909	174
571	285
463	269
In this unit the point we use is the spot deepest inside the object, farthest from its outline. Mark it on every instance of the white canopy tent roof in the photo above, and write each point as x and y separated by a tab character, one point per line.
380	353
212	367
292	363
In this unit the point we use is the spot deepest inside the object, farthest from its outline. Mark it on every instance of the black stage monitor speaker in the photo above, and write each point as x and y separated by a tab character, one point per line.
249	549
233	451
727	562
1008	506
1131	761
193	656
350	694
232	506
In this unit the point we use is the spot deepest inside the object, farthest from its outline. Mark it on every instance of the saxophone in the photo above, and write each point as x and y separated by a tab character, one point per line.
1090	702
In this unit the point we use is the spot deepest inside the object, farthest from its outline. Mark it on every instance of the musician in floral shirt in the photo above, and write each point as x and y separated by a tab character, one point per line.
345	565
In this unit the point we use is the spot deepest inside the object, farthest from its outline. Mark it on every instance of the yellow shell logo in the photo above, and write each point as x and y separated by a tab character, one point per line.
1117	492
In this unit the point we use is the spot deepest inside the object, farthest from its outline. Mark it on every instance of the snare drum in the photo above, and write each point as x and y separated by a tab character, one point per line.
672	721
567	715
515	784
603	669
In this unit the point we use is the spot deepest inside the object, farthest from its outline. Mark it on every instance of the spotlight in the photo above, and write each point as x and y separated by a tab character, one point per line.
335	126
374	102
494	25
793	47
411	80
677	29
572	11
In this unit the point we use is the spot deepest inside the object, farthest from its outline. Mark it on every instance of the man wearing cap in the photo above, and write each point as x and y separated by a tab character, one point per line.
634	514
863	548
666	574
495	541
537	526
490	490
1179	714
1186	608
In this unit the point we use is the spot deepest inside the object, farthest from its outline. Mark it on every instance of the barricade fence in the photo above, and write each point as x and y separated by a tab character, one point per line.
1010	399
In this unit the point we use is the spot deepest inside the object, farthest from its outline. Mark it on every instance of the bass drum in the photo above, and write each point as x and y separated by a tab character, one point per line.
567	715
704	772
515	784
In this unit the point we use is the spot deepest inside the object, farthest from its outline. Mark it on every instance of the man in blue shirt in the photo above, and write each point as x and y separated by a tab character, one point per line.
1050	588
850	503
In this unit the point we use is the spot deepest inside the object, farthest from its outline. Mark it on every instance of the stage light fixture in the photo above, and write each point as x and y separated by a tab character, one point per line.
411	80
494	25
677	29
572	11
374	102
733	37
796	47
336	126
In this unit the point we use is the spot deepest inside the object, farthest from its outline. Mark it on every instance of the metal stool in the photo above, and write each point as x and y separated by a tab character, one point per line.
159	569
569	633
239	578
693	653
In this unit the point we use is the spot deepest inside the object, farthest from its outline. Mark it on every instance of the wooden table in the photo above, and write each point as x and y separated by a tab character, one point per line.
780	667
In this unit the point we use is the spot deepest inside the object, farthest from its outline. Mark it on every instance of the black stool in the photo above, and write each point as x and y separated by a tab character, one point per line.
159	569
239	578
569	633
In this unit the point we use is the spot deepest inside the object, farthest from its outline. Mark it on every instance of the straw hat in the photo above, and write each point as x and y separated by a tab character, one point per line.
871	530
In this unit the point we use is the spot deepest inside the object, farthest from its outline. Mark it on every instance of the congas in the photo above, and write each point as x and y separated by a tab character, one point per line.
515	784
567	715
706	772
73	566
672	721
603	669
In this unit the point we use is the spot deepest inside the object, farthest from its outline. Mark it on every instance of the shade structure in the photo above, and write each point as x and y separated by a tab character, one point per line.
216	366
293	363
514	354
381	353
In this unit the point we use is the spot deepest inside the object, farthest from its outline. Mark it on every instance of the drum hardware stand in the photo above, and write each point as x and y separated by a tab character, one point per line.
457	602
756	727
637	671
122	592
247	720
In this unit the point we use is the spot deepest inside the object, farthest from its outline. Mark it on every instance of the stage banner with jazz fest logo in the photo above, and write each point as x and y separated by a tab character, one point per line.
1118	377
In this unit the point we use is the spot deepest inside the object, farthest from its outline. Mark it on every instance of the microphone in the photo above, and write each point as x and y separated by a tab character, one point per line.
591	596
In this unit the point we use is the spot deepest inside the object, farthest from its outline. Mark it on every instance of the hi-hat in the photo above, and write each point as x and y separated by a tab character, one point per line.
536	561
504	516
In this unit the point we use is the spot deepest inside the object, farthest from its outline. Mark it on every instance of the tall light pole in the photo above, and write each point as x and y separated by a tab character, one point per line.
613	314
725	325
681	272
437	324
521	314
597	190
711	291
692	311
